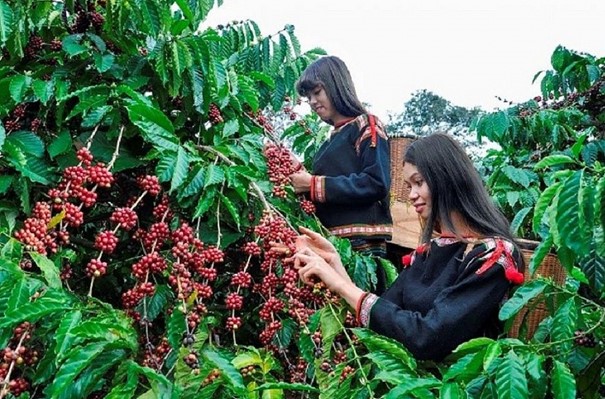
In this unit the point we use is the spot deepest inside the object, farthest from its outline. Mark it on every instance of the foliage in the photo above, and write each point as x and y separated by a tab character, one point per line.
548	176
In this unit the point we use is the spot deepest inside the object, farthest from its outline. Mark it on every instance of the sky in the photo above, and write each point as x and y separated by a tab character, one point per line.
469	51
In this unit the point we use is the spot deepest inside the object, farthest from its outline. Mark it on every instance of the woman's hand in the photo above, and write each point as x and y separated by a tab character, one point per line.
301	181
322	247
311	267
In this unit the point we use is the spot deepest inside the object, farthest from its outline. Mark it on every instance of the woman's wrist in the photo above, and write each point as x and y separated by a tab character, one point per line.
348	291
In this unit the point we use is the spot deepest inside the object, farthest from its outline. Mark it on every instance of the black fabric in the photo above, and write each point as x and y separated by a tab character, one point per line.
439	301
357	180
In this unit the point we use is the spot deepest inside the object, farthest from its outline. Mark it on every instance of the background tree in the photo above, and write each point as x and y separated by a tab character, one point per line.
426	112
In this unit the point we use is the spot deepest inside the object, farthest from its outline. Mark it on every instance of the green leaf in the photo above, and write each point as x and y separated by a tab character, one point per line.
228	371
331	326
78	359
60	144
19	86
195	185
49	270
451	390
103	62
31	167
95	115
151	16
64	338
155	127
19	295
220	74
564	321
520	298
552	160
493	126
466	368
364	273
297	387
182	4
176	328
157	303
6	21
215	175
72	46
231	127
510	378
403	390
545	200
43	89
512	197
164	170
568	216
33	311
563	383
181	168
5	183
390	270
231	208
518	220
375	342
541	251
516	175
88	380
28	142
249	358
205	202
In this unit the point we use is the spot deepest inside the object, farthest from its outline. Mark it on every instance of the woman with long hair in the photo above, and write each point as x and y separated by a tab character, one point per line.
350	178
453	284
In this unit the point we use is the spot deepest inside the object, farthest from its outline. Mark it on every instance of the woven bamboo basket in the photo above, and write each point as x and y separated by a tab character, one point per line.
536	310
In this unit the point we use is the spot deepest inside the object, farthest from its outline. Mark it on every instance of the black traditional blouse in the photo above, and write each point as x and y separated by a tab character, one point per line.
351	181
450	292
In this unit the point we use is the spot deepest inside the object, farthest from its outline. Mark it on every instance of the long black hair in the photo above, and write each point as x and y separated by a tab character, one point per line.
455	187
332	74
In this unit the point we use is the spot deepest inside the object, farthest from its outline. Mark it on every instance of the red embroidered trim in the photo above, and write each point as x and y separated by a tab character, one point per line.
492	259
312	189
366	309
358	307
372	130
319	190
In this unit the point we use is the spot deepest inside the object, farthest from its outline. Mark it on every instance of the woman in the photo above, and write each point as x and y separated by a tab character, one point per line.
452	285
350	180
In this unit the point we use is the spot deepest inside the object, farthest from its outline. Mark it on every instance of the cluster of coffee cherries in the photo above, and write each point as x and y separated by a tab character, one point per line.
33	47
214	114
582	338
262	121
298	371
84	18
283	292
16	355
307	206
46	229
17	119
279	168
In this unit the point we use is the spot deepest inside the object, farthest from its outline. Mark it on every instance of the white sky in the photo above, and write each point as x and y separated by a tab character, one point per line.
467	51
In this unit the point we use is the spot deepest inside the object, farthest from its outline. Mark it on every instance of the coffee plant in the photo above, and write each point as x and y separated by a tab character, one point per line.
144	162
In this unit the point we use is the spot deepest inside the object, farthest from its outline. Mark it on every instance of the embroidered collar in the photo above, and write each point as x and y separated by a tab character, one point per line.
342	123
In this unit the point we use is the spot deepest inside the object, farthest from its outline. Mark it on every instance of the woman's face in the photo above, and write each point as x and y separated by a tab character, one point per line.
321	104
420	195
